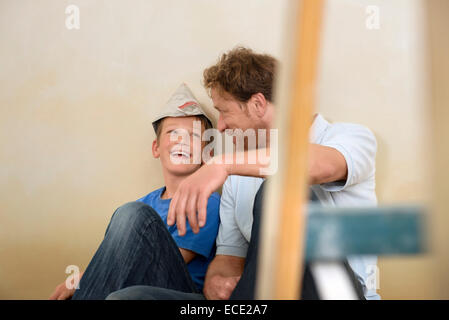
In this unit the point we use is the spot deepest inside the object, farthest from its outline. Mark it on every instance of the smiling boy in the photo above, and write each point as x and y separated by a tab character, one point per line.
139	247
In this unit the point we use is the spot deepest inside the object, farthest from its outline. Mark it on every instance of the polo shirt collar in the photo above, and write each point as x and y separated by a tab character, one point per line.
319	126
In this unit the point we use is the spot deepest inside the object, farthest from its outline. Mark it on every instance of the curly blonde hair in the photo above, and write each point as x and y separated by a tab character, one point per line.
242	73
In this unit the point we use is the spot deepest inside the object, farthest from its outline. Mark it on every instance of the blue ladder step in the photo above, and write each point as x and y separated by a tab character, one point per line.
334	233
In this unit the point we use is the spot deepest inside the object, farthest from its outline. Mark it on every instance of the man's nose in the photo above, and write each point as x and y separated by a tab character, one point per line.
221	125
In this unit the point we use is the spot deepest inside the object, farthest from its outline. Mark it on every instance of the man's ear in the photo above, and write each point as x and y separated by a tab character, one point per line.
259	104
155	149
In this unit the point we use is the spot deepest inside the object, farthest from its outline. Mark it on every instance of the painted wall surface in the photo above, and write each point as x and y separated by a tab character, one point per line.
76	108
379	78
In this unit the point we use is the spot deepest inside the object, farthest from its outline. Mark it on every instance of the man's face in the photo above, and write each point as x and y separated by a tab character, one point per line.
237	115
233	114
179	146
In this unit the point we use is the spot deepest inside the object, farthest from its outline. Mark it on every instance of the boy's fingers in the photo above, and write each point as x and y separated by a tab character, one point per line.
171	215
202	209
180	224
63	296
181	214
68	294
54	296
191	212
56	293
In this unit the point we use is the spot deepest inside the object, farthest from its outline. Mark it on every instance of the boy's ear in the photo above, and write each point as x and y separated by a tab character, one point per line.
155	149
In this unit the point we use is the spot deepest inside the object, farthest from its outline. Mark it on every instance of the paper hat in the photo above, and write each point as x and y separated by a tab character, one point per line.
181	104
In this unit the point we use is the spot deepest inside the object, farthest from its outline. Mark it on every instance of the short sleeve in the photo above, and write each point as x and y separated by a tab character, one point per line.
203	242
358	146
230	241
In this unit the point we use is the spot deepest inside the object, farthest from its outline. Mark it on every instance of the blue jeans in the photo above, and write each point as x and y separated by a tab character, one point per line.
137	250
245	289
152	293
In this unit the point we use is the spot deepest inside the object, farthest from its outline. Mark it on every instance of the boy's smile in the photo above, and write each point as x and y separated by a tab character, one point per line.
179	151
179	145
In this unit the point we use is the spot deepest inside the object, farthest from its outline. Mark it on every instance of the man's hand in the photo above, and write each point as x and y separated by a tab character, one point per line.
222	276
192	196
220	288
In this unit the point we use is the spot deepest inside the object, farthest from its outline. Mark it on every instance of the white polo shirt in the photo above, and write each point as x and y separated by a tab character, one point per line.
358	146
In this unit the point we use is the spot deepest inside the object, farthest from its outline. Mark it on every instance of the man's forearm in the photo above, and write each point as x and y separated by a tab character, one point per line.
253	163
325	165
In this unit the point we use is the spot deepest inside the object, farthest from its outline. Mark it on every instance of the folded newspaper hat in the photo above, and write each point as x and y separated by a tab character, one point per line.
181	104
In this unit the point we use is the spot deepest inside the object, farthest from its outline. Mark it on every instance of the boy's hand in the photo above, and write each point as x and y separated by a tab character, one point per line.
62	293
220	288
192	196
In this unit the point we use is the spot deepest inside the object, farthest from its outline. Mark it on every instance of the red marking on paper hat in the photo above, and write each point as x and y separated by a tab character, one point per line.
187	104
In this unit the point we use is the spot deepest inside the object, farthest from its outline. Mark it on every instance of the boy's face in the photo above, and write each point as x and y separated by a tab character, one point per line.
179	146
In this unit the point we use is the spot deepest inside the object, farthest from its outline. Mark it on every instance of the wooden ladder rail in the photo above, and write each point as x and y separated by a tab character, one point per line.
283	222
438	31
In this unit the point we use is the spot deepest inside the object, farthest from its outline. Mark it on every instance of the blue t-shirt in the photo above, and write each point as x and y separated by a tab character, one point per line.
202	243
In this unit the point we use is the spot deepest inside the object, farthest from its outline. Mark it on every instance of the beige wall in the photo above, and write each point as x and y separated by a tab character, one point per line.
76	110
76	107
379	78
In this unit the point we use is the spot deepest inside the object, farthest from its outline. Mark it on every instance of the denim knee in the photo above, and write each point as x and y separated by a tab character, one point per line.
131	216
142	292
131	293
